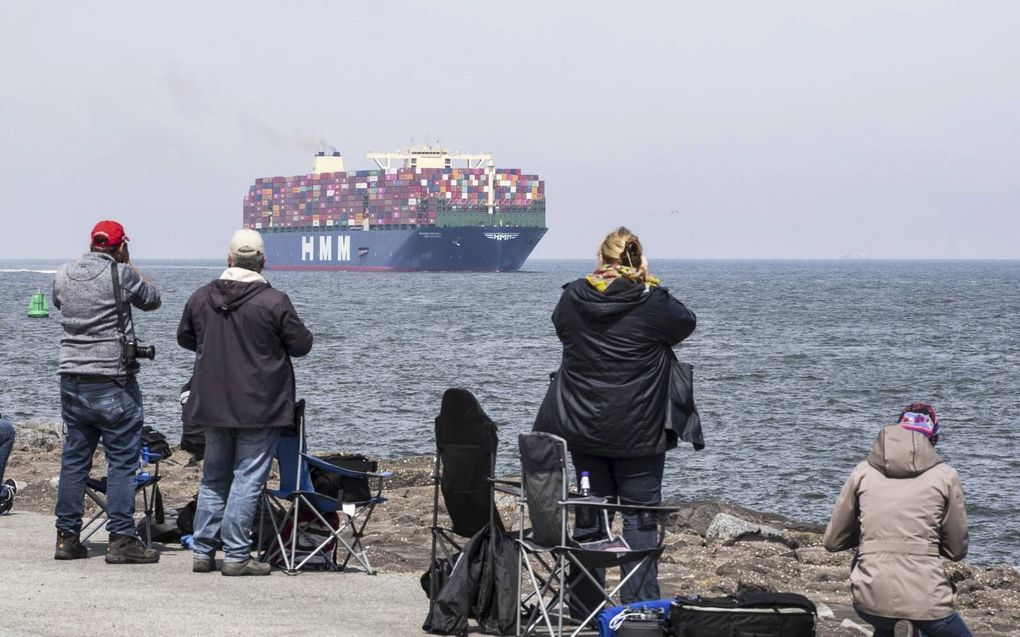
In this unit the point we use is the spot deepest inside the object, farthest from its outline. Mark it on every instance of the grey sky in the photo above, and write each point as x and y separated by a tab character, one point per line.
774	129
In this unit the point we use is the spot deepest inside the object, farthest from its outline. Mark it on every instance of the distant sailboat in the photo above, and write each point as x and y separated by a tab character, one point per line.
37	307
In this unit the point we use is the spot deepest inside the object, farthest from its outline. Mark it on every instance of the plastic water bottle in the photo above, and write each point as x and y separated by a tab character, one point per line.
142	475
146	455
585	485
188	541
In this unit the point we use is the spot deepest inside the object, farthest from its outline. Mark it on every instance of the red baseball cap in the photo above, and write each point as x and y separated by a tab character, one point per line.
108	234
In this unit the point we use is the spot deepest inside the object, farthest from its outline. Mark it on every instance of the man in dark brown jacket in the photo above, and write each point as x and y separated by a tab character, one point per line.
901	509
243	333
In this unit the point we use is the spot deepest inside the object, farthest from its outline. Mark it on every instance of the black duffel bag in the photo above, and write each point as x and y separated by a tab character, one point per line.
753	615
333	485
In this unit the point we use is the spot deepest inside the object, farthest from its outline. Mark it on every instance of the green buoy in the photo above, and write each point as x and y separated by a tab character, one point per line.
37	307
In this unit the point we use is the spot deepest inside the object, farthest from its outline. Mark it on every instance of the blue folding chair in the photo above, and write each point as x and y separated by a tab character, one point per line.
145	483
330	525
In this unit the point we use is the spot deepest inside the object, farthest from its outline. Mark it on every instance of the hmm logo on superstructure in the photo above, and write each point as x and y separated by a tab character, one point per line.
324	248
502	236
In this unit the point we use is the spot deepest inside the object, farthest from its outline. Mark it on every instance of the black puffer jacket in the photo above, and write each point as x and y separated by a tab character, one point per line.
611	395
243	334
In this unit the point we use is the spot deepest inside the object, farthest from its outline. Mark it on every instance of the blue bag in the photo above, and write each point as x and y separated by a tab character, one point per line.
612	620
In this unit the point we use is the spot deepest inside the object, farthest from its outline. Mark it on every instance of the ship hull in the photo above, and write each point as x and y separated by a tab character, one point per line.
444	249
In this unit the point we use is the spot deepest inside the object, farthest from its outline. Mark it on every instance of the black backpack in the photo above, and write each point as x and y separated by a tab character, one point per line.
758	614
156	442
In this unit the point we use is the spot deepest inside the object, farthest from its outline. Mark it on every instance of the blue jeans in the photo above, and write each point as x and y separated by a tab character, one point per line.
237	462
951	626
6	443
635	481
107	411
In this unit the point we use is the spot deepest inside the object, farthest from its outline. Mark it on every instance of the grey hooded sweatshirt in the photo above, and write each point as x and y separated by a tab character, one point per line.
83	292
902	508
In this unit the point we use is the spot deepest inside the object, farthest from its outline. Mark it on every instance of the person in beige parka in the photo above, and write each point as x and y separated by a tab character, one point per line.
902	509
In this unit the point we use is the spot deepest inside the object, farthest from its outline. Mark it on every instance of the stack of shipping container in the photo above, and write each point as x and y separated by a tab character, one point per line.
388	198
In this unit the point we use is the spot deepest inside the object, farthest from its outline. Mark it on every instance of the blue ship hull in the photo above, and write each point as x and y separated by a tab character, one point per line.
450	249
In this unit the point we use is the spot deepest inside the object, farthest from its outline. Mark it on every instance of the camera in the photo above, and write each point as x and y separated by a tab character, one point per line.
131	351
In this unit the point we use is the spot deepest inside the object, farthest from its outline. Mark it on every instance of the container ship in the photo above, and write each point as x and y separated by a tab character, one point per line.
417	210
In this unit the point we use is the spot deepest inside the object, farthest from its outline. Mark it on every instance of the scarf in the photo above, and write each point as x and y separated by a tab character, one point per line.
605	274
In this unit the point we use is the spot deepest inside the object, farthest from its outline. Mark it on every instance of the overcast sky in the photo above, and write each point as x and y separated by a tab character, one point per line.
772	129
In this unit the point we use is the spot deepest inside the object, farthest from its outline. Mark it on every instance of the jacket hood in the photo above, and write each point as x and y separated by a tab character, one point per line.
225	295
902	453
242	274
89	266
600	306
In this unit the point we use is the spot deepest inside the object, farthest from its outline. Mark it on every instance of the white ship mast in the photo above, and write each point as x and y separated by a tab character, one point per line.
429	156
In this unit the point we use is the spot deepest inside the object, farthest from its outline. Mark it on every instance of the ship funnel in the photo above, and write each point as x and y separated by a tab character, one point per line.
323	163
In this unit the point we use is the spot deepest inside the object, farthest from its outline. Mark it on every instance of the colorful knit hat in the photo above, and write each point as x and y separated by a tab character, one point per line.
920	417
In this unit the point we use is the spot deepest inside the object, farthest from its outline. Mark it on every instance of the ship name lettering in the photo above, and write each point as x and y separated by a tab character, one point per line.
325	251
343	247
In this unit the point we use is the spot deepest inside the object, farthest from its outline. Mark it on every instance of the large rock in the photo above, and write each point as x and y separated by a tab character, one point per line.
39	435
727	529
698	515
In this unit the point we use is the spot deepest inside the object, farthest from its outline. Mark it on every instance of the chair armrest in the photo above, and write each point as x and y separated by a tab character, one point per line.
585	501
602	503
508	487
332	468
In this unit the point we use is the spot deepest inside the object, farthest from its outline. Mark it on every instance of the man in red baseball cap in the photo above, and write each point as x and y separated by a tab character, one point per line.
108	234
100	399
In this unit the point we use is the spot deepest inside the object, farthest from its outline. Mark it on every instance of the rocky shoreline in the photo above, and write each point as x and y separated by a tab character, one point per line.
713	548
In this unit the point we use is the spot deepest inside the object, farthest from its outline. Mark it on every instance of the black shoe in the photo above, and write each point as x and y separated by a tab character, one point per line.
128	549
69	547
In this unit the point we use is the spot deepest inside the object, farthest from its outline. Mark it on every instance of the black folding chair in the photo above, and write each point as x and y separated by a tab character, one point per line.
465	461
548	548
466	443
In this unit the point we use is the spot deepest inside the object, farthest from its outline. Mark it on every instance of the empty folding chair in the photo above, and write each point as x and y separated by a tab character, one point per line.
146	483
469	577
309	527
548	548
465	460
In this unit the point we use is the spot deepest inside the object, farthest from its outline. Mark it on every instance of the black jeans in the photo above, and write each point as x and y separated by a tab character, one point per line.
633	481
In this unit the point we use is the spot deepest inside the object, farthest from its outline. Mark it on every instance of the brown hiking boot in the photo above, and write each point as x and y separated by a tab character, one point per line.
247	567
128	549
69	547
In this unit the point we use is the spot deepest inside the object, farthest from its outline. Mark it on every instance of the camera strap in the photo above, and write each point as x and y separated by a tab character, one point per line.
117	293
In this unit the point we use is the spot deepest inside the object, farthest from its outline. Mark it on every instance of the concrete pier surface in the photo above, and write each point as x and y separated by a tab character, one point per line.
43	596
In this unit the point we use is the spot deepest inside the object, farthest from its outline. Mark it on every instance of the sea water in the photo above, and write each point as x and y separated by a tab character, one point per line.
797	365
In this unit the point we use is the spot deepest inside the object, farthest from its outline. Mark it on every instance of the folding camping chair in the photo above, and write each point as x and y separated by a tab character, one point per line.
547	548
145	483
466	442
334	525
465	461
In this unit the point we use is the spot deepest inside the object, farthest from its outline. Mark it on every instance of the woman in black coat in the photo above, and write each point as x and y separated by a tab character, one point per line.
611	398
